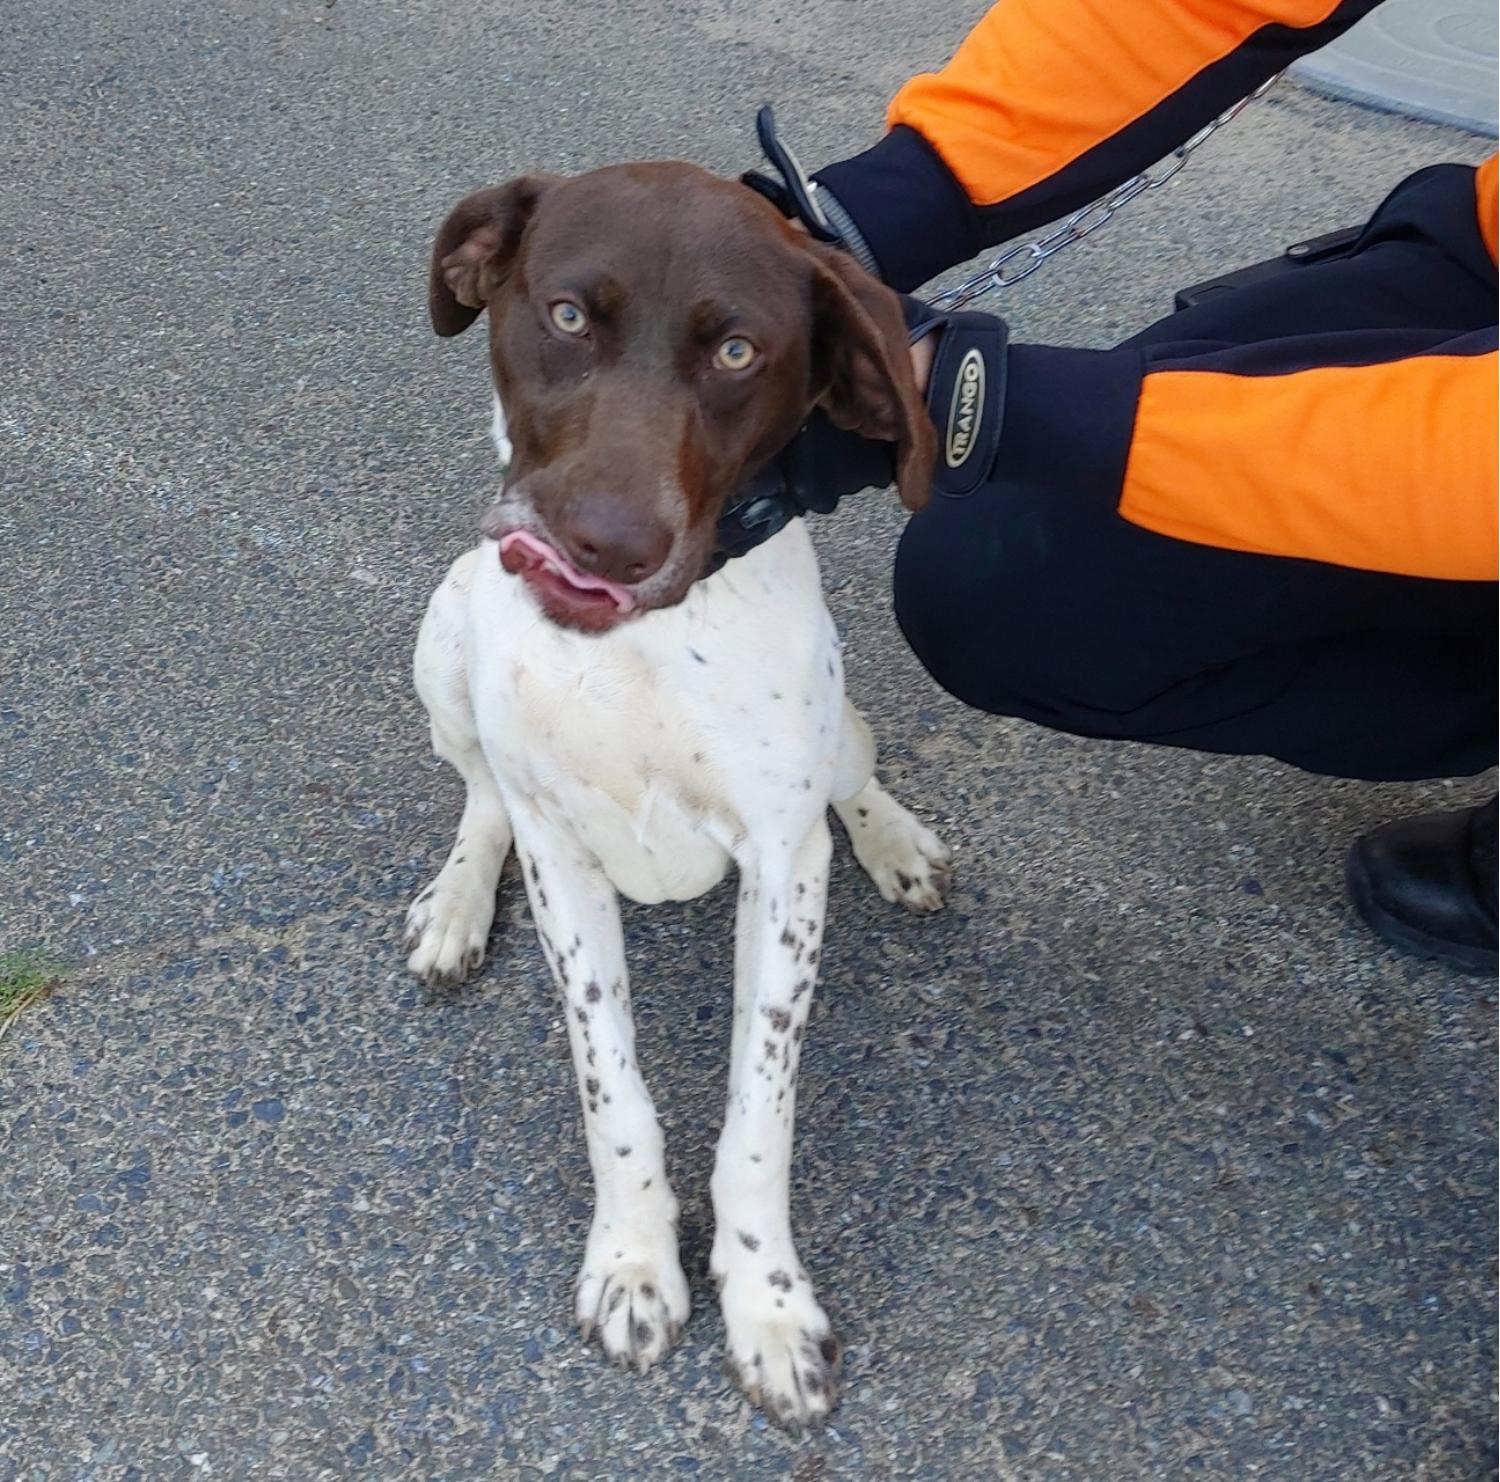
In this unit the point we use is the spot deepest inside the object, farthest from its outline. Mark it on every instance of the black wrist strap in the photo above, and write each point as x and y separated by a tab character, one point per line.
965	396
793	194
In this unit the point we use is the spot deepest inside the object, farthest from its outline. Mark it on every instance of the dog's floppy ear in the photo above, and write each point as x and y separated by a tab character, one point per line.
475	248
861	358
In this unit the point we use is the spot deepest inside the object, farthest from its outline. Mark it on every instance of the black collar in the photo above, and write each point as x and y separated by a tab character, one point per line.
755	517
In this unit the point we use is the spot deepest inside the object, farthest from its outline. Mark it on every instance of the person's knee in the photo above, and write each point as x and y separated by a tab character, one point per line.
1016	628
978	624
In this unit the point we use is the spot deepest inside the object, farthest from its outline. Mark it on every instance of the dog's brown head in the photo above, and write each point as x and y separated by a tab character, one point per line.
657	334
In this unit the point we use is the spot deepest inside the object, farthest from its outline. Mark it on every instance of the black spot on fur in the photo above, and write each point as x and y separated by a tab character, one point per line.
788	938
532	871
647	1184
647	1290
829	1348
541	897
780	1280
779	1018
904	881
797	1033
697	655
863	812
622	1152
749	1241
461	858
592	992
592	1086
755	1157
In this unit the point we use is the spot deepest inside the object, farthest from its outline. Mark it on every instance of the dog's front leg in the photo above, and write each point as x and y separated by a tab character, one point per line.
631	1292
781	1351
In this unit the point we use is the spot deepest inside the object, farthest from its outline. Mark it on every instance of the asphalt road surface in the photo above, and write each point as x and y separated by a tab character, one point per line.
1142	1161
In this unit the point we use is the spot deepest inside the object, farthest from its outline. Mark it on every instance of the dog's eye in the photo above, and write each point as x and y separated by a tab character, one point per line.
736	353
569	317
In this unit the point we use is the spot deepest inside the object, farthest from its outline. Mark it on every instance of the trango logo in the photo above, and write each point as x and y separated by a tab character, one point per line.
966	410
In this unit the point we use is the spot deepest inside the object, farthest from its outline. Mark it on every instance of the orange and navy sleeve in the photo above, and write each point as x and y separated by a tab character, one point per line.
1048	104
1354	443
1487	204
1364	453
1372	449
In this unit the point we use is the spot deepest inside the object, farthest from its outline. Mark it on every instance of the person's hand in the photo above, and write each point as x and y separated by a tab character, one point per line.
922	353
813	472
960	364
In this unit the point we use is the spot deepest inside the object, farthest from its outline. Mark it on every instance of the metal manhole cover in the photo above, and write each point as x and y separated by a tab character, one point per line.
1429	59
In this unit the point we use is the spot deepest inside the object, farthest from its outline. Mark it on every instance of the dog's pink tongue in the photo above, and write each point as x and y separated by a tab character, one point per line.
521	551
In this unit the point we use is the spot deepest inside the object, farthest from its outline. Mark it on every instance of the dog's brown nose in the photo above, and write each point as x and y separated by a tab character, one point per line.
606	538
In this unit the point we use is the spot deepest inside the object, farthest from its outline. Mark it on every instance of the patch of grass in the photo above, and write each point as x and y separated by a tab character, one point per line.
25	976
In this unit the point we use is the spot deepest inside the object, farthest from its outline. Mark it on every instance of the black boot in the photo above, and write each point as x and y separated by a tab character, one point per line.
1427	885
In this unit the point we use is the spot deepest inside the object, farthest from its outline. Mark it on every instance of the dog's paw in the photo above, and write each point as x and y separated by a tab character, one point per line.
781	1352
909	864
447	927
634	1300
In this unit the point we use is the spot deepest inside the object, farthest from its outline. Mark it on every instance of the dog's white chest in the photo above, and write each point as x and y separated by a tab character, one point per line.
661	747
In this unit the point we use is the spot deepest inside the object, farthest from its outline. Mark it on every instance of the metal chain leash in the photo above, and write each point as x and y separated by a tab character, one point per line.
1021	261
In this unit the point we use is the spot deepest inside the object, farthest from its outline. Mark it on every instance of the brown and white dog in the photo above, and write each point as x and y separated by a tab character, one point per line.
657	334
